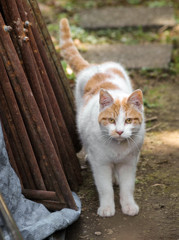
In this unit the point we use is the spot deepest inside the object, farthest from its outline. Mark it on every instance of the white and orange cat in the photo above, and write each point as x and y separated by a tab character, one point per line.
110	122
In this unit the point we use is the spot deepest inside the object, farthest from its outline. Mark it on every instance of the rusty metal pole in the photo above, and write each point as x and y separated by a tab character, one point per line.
54	70
21	130
66	150
15	141
67	144
37	119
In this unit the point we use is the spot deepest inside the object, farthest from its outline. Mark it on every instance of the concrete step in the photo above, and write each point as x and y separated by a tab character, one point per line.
117	17
131	56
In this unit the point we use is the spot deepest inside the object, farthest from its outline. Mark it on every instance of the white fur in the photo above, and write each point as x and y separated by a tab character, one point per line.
105	155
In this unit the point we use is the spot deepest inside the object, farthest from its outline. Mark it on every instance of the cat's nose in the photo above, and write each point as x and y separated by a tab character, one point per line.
120	132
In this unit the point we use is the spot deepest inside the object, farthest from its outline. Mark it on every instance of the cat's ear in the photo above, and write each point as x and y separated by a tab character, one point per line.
105	99
136	99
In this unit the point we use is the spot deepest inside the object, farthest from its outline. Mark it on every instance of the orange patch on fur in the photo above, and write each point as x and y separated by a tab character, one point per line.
117	72
110	112
131	112
97	82
103	85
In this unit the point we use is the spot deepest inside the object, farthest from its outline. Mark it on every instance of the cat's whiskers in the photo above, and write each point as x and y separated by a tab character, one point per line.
137	135
128	142
103	135
110	139
106	139
135	144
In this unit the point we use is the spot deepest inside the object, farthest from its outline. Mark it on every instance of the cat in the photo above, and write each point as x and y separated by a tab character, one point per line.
110	122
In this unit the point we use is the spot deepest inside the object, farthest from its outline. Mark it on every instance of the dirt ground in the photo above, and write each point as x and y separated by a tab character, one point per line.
157	180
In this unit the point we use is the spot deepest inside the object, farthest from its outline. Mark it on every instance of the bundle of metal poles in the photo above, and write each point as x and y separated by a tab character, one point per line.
36	108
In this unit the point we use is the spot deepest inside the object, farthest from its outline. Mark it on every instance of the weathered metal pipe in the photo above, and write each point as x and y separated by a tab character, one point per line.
70	160
46	47
26	102
14	139
52	205
37	85
36	116
39	194
21	130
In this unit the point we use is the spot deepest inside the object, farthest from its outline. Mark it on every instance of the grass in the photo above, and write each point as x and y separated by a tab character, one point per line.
161	3
71	5
69	73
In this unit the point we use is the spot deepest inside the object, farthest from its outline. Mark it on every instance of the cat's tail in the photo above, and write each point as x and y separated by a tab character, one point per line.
68	50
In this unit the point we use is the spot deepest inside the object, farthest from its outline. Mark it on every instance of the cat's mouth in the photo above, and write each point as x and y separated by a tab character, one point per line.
118	138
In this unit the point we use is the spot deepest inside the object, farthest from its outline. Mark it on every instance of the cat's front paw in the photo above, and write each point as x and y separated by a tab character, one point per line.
106	211
130	209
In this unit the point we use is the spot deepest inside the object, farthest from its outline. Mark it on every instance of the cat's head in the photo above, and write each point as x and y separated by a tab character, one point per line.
120	118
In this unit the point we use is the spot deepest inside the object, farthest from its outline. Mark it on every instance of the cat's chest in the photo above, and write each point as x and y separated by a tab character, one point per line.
117	152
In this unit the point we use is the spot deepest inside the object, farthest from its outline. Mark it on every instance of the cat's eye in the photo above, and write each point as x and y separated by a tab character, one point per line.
128	120
111	120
